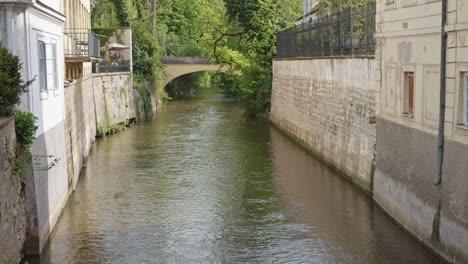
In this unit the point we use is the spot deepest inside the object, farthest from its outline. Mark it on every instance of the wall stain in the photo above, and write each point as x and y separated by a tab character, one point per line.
405	51
436	225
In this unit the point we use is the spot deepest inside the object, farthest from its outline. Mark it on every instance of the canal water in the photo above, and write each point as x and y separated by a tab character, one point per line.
200	185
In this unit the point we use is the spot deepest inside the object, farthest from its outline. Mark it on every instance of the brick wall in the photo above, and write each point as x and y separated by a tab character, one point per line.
12	211
328	105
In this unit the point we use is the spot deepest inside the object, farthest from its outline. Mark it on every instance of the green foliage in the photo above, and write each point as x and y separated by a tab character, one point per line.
144	90
11	84
289	11
238	34
25	128
187	85
19	160
10	261
334	6
111	129
108	16
258	21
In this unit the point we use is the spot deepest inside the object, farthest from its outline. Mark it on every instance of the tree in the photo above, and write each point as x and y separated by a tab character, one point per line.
11	83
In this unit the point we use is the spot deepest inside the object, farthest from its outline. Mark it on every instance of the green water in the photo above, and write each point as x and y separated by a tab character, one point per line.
198	184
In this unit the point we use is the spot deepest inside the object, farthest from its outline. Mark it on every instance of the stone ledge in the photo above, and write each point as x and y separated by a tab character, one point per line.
325	58
110	74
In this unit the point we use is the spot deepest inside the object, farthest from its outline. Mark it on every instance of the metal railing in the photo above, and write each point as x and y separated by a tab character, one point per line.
114	66
346	33
81	43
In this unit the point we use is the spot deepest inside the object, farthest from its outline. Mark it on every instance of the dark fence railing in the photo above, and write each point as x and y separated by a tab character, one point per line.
81	43
114	66
346	33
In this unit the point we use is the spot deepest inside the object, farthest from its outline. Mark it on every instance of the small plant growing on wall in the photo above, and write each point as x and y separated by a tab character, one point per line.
25	130
11	83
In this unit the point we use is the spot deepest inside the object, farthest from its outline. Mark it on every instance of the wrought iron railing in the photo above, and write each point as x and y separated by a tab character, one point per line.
81	43
114	66
346	33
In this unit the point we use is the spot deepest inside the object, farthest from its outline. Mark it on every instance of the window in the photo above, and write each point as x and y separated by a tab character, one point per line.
465	100
42	66
51	57
408	96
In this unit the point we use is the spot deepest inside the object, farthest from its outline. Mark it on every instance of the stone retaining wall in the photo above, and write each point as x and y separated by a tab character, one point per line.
12	211
328	105
93	103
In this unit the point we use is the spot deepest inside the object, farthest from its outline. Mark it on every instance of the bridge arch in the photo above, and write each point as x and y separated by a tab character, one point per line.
179	66
176	70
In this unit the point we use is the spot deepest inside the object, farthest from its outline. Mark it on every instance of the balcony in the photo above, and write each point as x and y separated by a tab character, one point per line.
81	45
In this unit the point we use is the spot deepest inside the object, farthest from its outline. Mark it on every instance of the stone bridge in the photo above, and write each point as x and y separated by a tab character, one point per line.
178	66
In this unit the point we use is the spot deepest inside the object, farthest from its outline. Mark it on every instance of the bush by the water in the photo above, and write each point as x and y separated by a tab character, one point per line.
11	83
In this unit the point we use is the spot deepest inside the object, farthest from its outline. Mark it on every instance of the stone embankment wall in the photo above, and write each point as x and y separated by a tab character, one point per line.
328	105
12	209
92	104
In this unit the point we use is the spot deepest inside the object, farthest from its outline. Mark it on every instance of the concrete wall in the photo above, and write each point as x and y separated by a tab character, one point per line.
408	40
328	105
93	103
12	211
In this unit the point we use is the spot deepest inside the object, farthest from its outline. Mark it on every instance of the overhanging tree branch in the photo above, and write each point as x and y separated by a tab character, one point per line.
223	35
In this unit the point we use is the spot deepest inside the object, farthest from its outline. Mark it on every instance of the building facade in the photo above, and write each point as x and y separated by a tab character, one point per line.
407	104
81	45
33	31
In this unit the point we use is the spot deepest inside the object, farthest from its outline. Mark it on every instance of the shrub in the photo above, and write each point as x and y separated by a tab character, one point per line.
25	134
25	128
11	84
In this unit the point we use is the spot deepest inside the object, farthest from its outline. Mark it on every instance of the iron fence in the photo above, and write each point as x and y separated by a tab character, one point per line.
114	66
346	33
81	43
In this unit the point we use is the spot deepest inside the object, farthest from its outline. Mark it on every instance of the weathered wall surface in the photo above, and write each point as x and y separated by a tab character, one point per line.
115	102
93	103
408	37
80	121
12	212
438	216
328	105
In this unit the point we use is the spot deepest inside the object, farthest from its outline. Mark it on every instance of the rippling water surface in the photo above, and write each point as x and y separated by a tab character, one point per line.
199	185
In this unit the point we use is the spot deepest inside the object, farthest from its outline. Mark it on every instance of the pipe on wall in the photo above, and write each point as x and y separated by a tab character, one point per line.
443	59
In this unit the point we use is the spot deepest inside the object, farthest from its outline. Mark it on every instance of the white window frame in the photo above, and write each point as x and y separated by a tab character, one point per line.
465	99
42	64
52	58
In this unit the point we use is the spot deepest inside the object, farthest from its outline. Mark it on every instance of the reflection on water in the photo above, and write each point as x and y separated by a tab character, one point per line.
197	185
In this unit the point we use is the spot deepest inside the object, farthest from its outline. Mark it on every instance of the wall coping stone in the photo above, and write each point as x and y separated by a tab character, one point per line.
89	76
326	58
111	74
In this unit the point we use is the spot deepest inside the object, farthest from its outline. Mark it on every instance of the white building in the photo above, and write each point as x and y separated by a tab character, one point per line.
33	30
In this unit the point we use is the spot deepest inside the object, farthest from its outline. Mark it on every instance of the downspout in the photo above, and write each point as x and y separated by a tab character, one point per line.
443	60
305	11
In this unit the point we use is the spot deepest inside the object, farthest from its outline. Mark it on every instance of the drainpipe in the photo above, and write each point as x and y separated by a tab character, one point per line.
305	11
443	59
